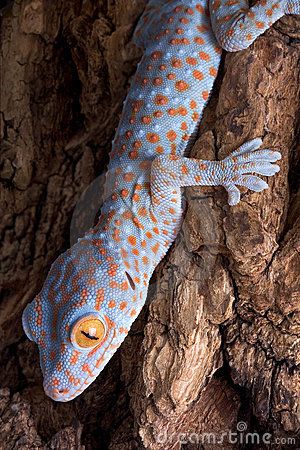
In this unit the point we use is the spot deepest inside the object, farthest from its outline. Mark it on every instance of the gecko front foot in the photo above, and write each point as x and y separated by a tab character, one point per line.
238	169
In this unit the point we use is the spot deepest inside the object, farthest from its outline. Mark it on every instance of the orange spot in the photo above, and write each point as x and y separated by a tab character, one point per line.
213	72
184	126
160	99
137	144
156	55
159	149
195	116
172	112
146	120
142	212
171	135
145	260
87	369
158	81
153	218
111	304
137	223
184	20
204	56
152	137
133	154
132	240
155	248
202	28
198	75
176	63
182	111
181	85
184	169
200	9
128	176
260	25
124	193
205	95
189	11
99	298
191	61
199	40
127	214
123	305
55	382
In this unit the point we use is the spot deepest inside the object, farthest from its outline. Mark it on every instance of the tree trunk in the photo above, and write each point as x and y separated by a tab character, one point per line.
216	348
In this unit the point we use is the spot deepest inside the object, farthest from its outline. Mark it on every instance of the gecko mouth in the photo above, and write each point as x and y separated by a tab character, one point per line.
71	392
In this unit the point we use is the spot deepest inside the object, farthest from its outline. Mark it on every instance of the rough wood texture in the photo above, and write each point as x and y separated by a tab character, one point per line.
218	342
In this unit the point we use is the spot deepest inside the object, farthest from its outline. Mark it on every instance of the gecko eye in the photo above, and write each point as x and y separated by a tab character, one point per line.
88	332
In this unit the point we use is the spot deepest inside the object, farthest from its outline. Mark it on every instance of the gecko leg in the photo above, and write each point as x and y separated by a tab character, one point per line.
236	25
172	171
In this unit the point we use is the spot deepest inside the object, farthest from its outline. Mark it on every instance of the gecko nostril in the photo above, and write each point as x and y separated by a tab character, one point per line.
63	391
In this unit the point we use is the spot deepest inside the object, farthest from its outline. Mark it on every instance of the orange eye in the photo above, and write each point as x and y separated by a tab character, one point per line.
88	332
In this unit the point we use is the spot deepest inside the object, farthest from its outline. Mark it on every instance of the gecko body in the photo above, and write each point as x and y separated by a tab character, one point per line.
96	289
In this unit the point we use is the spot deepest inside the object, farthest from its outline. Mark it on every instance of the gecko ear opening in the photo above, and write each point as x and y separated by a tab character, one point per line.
131	282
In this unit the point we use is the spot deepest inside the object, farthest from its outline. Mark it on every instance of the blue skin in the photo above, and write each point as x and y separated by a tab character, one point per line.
79	283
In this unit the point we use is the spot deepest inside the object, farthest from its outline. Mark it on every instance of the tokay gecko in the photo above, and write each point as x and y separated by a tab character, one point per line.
95	290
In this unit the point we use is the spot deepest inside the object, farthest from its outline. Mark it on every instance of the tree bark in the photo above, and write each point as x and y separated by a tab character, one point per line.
216	347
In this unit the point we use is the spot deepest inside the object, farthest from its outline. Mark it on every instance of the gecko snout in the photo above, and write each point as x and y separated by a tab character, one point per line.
59	394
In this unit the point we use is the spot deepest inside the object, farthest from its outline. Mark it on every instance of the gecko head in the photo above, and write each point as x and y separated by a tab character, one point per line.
81	316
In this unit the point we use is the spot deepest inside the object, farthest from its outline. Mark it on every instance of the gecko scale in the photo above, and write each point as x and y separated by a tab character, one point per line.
96	289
